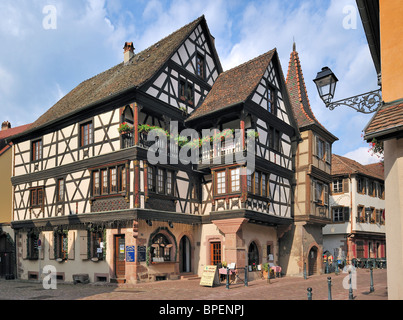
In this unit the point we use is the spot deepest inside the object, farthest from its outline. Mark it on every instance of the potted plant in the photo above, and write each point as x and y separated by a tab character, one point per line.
265	270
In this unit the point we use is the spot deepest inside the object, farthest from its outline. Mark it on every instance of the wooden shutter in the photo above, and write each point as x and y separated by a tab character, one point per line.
42	251
24	246
326	194
51	241
346	185
83	239
346	213
71	245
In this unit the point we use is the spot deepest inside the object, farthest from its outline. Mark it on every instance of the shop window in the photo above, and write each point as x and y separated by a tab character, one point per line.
160	249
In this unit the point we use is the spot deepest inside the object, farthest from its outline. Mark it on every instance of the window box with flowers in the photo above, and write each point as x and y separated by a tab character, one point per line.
125	128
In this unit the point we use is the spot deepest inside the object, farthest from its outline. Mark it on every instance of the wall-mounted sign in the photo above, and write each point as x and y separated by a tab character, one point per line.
130	254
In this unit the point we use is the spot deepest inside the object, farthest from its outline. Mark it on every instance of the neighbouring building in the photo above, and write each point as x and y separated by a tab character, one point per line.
358	211
7	242
303	242
84	184
383	25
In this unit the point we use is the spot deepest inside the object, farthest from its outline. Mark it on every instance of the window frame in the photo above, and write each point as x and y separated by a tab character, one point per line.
200	66
101	180
36	150
220	183
36	197
60	189
86	134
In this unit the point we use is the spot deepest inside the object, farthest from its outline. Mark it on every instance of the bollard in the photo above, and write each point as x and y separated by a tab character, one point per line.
329	286
309	293
305	270
371	286
350	291
227	284
246	276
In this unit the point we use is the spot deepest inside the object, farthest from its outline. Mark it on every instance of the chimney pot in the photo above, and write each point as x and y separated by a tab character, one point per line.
128	52
5	125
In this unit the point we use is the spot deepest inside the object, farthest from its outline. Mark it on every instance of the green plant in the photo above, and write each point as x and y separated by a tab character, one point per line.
265	267
125	128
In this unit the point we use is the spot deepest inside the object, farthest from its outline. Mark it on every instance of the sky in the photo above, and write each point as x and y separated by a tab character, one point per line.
48	47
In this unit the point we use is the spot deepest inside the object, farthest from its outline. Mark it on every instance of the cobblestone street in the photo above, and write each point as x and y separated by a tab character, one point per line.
286	288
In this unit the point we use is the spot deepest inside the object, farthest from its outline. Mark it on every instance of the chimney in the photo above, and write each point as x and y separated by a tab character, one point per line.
5	126
128	52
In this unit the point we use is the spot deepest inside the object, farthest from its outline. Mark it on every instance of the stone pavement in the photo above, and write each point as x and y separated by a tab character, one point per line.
286	288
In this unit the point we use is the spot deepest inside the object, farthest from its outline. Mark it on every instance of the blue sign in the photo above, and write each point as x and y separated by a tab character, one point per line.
130	254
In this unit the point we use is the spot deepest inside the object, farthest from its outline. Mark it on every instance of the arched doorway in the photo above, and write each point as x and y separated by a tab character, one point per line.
312	261
185	255
253	256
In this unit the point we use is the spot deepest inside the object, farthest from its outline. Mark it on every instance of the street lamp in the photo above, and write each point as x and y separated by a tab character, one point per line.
326	84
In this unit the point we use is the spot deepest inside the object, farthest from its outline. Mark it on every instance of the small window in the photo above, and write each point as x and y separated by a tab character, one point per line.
160	181
36	197
264	185
60	190
200	66
235	180
271	101
186	91
86	134
338	186
169	183
113	178
221	182
32	246
150	179
104	181
96	239
95	179
36	148
61	244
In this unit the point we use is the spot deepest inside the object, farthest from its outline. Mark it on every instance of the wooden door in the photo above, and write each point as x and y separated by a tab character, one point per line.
215	253
120	262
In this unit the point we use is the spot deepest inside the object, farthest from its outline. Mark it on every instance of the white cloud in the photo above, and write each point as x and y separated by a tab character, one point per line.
363	156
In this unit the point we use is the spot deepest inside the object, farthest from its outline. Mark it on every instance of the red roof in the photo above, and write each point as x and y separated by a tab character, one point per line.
13	131
387	119
342	166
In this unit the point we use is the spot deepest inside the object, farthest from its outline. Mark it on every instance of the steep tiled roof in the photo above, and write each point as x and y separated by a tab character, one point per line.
342	165
119	78
298	94
388	118
234	86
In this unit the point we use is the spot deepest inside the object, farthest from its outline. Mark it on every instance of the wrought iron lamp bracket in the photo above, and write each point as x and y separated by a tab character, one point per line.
365	103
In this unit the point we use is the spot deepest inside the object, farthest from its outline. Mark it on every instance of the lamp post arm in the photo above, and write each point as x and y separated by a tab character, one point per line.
365	103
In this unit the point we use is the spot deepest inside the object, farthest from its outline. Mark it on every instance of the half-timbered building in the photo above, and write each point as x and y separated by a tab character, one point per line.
304	240
86	187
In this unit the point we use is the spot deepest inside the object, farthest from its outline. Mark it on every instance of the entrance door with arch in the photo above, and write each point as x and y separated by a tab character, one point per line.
185	252
312	261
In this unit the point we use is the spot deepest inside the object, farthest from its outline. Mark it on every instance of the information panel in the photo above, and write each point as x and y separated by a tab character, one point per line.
210	276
